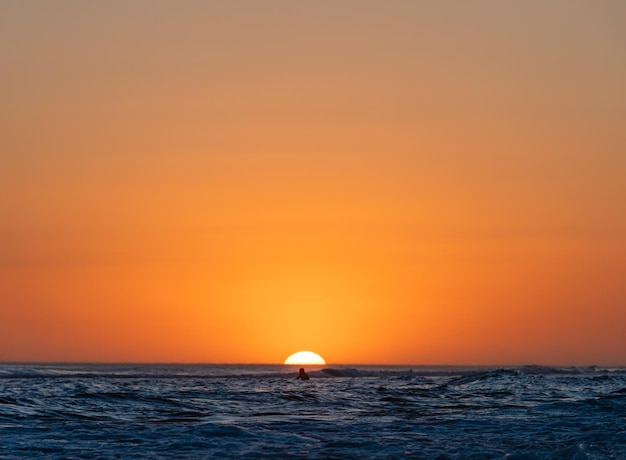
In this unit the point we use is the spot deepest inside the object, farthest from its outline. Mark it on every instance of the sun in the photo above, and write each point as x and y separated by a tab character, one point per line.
305	357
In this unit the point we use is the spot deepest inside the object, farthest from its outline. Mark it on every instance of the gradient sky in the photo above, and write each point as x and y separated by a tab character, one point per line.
423	182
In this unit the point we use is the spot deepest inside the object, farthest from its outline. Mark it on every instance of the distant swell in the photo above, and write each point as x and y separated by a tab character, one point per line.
457	376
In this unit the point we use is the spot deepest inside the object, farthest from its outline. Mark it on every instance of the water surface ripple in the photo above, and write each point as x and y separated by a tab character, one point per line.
211	411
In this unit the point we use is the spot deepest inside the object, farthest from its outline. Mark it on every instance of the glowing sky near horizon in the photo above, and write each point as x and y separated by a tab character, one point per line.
378	181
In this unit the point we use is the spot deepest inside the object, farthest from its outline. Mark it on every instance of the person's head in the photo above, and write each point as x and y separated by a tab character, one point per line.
302	370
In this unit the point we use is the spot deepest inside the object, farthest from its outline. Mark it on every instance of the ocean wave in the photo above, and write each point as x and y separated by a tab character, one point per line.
133	411
457	375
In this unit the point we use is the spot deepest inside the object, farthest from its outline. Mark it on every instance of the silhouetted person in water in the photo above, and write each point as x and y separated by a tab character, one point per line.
302	375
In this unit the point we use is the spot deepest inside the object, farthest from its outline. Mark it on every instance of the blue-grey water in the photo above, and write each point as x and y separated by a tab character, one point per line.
212	411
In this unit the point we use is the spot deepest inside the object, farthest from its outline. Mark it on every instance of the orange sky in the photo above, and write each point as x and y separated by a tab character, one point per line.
379	182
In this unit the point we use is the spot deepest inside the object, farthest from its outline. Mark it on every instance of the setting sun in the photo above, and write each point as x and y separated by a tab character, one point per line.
305	357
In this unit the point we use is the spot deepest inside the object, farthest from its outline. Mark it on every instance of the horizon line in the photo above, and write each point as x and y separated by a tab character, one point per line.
204	363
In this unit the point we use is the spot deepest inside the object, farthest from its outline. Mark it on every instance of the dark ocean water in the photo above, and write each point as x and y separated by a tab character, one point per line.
211	411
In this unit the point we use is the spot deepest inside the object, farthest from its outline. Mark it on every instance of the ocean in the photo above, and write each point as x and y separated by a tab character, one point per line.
72	411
